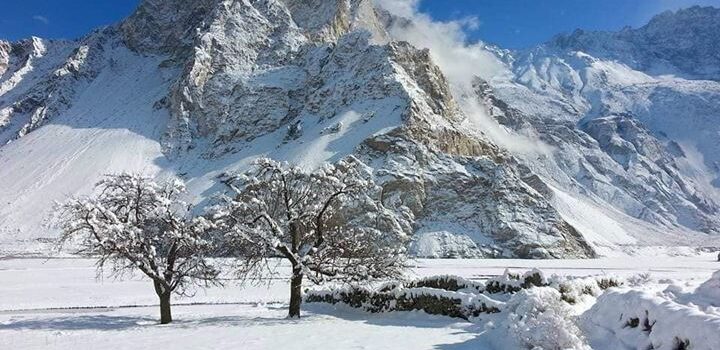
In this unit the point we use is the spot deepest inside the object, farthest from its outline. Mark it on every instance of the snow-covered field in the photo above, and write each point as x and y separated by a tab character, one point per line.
59	303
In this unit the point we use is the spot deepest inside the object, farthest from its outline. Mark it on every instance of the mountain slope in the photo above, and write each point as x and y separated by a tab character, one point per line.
109	126
626	133
197	89
626	152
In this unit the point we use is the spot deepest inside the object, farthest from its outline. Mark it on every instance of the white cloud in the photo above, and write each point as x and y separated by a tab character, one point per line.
447	42
461	62
41	19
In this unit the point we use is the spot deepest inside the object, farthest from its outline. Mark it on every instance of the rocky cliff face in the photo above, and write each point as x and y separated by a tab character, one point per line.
5	51
252	67
44	78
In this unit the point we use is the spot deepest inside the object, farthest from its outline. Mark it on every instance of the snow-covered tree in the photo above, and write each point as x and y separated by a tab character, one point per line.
326	223
134	224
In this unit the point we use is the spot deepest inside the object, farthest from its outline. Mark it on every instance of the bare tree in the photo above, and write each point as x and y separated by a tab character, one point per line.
135	224
325	223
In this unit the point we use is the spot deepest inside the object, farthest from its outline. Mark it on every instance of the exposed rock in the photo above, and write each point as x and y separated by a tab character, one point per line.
166	26
5	50
34	104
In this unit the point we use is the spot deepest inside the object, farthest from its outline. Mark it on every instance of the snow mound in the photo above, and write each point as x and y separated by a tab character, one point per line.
538	318
710	290
636	319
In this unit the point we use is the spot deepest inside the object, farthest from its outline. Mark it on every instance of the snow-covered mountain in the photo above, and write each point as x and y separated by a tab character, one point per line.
613	154
682	43
628	125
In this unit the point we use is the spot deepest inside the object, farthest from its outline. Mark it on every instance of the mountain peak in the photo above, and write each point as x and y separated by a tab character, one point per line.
681	43
162	25
689	15
169	26
693	24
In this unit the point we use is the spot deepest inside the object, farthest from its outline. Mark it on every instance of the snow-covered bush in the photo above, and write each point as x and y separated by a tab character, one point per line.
329	224
400	298
134	224
393	296
608	282
538	318
575	289
510	282
531	311
449	283
639	279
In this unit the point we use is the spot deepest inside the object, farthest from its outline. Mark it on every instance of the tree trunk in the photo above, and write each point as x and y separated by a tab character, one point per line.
295	293
165	313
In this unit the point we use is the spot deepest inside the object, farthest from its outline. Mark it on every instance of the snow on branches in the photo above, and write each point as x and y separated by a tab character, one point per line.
135	224
328	224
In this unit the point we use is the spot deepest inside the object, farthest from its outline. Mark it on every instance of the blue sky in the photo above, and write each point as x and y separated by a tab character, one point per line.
524	23
59	18
509	23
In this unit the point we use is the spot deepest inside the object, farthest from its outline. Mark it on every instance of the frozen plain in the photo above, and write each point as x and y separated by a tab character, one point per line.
60	304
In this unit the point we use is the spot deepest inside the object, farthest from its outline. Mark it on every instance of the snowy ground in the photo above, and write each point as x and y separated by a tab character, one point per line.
53	304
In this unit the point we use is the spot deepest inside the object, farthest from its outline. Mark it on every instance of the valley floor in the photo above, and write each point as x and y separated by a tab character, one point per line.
59	304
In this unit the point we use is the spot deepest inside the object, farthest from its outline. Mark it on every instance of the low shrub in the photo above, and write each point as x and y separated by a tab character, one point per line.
438	295
456	296
449	283
537	318
509	282
609	282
